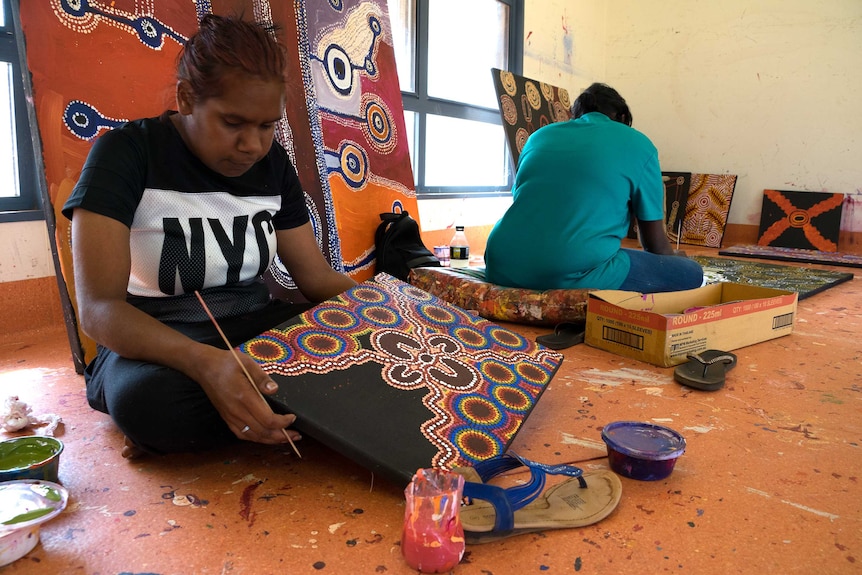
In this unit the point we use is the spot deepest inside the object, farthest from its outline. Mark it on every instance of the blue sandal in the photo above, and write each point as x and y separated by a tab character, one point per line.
492	513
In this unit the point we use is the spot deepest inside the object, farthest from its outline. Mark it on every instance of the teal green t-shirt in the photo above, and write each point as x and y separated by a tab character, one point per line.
577	184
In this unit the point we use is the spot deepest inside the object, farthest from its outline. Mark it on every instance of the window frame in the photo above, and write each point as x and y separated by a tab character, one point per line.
421	104
27	206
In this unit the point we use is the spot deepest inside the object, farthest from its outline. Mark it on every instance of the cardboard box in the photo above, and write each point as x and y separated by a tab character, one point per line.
663	328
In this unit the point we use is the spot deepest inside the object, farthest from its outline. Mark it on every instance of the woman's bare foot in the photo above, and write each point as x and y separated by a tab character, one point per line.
130	450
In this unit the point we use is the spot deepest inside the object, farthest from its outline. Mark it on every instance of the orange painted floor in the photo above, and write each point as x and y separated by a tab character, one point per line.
771	481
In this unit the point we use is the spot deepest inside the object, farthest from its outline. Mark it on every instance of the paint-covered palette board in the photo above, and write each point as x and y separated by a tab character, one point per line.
397	379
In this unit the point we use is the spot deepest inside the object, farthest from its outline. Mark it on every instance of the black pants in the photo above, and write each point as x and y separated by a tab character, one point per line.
162	410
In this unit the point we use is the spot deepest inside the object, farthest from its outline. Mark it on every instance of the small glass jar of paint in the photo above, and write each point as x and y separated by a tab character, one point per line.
433	538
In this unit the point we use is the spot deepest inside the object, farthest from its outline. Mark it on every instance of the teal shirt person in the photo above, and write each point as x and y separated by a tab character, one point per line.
578	184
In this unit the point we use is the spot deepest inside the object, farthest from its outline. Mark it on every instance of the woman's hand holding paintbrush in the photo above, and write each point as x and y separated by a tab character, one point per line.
250	419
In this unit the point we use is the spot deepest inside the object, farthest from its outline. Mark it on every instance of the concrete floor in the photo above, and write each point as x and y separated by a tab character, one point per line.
770	482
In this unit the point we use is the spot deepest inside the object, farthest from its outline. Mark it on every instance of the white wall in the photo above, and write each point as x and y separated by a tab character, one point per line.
25	252
770	90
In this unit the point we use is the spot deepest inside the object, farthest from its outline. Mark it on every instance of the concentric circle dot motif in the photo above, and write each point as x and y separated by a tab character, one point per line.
476	444
268	349
364	294
532	373
335	318
321	344
506	338
437	314
507	79
498	372
380	315
478	410
354	164
470	337
512	398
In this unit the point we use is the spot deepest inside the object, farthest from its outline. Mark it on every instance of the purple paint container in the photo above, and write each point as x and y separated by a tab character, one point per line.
642	451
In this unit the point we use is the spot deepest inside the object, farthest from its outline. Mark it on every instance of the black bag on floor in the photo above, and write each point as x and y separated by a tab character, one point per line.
399	246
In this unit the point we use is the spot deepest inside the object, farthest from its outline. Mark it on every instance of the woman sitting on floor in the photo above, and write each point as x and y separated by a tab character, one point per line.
195	201
578	185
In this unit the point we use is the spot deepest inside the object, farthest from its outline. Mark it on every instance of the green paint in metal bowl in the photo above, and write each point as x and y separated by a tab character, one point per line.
32	457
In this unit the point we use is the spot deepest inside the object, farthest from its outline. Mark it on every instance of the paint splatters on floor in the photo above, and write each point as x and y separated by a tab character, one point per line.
618	377
569	439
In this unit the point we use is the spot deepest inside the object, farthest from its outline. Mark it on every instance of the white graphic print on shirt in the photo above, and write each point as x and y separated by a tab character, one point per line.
181	242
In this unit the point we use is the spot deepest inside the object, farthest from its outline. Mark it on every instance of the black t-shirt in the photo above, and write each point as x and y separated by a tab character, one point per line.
191	228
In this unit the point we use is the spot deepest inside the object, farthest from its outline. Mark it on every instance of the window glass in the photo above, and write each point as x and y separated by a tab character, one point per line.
465	40
445	50
9	186
410	120
20	199
464	153
402	15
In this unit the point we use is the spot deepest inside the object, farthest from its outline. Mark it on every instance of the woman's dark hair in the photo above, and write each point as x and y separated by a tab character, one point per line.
229	43
602	98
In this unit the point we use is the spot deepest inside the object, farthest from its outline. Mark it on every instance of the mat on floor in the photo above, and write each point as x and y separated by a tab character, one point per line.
793	255
804	281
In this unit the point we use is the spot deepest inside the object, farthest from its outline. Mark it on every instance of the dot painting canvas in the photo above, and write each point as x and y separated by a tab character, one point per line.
397	379
799	219
526	105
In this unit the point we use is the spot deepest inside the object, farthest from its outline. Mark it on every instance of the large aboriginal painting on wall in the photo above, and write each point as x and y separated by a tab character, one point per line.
526	105
95	64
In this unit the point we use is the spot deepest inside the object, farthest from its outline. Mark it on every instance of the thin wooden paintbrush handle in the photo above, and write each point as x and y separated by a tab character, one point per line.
241	365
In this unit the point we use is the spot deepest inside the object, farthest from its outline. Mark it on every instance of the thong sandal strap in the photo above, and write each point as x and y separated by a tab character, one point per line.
707	363
507	501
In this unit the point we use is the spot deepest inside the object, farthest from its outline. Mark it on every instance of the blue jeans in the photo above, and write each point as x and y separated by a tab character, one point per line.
651	273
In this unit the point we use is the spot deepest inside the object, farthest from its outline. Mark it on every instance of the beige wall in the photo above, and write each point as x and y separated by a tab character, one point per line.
765	89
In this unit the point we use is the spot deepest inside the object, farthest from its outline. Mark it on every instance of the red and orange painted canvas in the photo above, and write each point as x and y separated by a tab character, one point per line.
802	220
99	63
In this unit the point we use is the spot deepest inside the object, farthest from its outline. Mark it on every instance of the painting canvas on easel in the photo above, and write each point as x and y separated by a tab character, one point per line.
803	220
397	379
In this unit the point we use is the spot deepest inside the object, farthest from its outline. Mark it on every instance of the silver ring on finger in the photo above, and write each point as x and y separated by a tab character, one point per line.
244	429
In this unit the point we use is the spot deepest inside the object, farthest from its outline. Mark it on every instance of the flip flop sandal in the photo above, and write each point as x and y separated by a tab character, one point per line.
493	513
705	370
565	335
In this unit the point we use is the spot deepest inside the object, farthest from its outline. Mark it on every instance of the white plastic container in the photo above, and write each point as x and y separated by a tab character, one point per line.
24	506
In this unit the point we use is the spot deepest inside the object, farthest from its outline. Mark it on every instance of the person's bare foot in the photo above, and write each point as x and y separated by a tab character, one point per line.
130	450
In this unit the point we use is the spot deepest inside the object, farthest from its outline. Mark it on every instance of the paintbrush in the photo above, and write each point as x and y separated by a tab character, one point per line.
244	370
